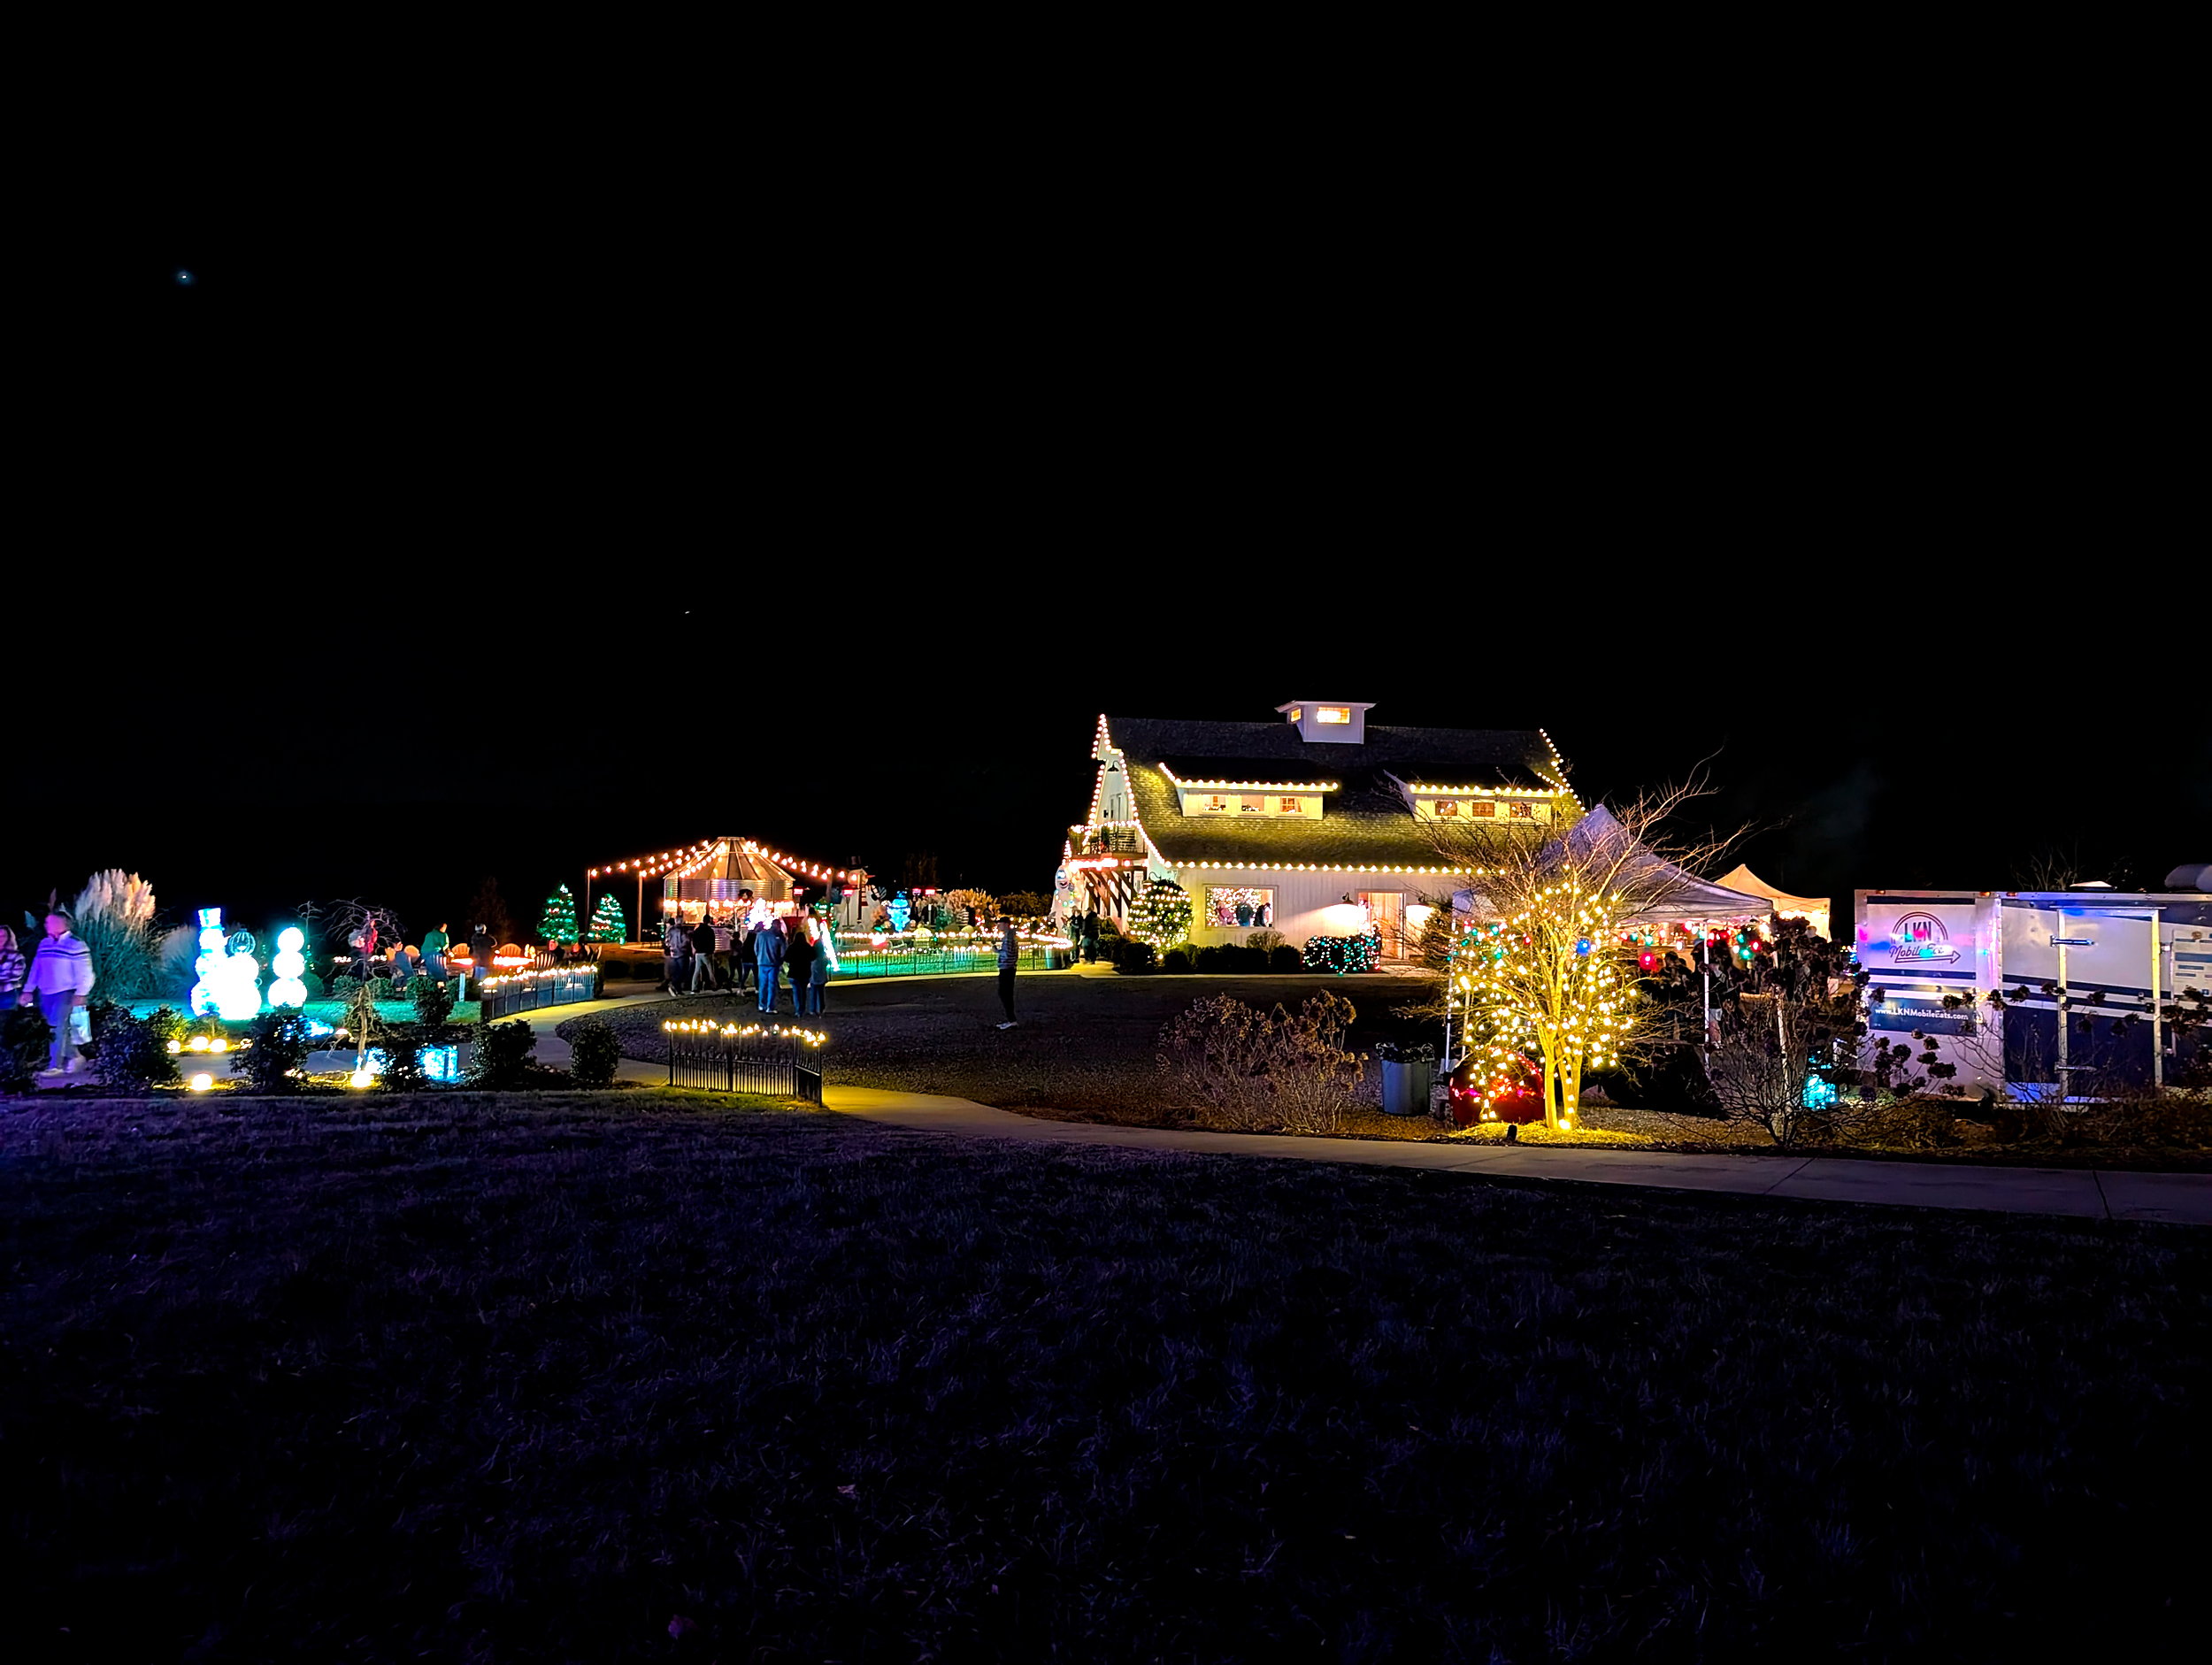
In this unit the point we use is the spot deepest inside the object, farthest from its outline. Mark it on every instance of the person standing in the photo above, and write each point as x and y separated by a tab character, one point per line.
435	942
674	941
13	967
824	963
59	979
741	943
702	953
1010	955
798	958
1090	936
363	942
767	960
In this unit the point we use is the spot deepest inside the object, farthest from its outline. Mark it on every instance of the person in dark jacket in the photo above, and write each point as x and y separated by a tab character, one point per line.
702	953
767	960
741	943
798	958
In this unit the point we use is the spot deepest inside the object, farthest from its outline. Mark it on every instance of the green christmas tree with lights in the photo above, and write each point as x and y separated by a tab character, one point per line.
1162	914
607	923
559	923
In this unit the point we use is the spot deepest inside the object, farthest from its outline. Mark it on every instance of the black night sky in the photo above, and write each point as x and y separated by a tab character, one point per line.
444	530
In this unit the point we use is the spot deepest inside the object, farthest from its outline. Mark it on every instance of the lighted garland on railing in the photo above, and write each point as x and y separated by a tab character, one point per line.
735	1032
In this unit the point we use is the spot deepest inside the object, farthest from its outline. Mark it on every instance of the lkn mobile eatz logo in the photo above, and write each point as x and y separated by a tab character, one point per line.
1918	938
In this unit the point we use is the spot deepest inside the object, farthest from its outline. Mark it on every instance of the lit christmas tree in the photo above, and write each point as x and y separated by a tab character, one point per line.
559	923
607	922
1162	914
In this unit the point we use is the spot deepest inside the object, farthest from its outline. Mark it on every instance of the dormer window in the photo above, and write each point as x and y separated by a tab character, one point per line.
1339	722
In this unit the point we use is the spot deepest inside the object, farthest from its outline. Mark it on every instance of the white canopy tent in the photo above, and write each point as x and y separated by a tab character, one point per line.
1670	894
1812	910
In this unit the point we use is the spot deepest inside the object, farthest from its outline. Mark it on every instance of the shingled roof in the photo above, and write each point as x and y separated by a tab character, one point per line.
1364	822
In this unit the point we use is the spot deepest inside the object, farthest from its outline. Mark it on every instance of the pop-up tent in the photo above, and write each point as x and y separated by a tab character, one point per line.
1665	893
1812	910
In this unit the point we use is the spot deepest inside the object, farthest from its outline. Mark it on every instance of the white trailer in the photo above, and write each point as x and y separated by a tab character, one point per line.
2092	956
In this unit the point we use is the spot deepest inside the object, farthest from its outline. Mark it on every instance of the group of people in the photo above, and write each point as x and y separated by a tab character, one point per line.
752	949
408	959
57	978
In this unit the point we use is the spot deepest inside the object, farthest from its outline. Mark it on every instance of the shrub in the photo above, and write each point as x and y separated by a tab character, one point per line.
1340	954
130	1052
1133	956
113	916
1208	959
1244	961
1285	958
503	1054
433	1001
402	1045
1249	1071
595	1049
1177	961
26	1040
1265	941
277	1060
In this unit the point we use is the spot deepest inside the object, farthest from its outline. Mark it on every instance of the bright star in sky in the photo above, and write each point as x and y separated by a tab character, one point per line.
184	278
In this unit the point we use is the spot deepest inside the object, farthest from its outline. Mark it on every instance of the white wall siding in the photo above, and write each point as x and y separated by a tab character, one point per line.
1302	900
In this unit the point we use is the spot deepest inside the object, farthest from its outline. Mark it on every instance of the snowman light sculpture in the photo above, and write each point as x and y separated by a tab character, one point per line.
230	980
288	990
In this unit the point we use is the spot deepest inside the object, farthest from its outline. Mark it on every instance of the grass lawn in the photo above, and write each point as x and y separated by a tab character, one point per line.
1086	1046
570	1376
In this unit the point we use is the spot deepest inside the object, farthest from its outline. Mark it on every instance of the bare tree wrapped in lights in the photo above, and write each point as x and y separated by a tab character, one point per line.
1545	975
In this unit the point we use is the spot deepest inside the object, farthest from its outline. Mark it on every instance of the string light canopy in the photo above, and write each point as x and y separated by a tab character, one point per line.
691	857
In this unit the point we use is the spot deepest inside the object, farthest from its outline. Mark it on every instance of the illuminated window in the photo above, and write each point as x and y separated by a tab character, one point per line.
1296	712
1333	714
1520	812
1215	803
1286	806
1252	804
1483	808
1447	808
1238	907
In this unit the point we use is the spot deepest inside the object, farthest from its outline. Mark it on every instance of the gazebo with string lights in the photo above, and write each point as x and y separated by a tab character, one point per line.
702	879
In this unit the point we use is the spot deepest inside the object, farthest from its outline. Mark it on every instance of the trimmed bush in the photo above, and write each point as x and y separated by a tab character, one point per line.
26	1040
277	1060
1133	956
503	1054
1177	961
595	1050
1285	958
126	1052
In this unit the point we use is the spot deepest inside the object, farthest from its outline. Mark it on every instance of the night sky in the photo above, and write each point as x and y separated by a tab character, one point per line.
482	525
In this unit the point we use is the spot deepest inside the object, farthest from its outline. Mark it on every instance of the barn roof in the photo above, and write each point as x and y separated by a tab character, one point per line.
1364	820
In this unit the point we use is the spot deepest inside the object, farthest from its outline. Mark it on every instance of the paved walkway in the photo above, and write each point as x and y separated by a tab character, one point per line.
2074	1192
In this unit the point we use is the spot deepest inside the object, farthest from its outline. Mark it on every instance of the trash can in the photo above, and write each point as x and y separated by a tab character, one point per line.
1405	1087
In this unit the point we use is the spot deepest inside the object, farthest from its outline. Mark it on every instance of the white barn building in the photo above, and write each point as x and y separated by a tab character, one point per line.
1311	824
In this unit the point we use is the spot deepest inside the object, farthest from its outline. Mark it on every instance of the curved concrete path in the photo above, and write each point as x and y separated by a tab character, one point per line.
2075	1193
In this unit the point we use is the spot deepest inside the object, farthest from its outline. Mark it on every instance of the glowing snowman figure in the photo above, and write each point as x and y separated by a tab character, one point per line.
290	962
238	993
206	968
